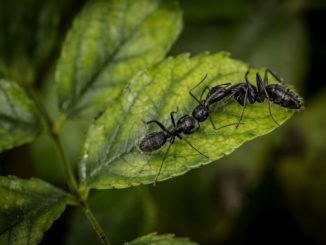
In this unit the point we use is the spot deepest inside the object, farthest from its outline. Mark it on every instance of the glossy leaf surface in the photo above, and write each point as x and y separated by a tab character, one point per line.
27	209
111	156
110	41
165	239
20	121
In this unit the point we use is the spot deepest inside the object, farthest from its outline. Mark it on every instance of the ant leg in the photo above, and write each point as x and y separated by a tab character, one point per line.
246	77
164	158
265	81
245	99
190	91
270	111
202	93
212	122
184	116
263	87
224	102
244	107
217	89
208	88
172	117
274	75
224	84
188	142
158	124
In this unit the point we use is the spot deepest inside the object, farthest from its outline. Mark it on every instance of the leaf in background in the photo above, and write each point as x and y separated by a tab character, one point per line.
20	121
208	11
153	239
111	157
110	41
260	33
302	170
27	209
30	36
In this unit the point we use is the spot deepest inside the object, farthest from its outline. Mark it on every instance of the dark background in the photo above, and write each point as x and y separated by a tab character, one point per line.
270	191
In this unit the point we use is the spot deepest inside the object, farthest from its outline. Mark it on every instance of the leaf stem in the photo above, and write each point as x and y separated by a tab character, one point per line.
58	124
34	95
96	226
54	129
70	178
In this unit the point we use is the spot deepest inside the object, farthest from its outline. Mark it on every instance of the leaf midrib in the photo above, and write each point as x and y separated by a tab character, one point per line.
16	121
118	129
40	210
106	62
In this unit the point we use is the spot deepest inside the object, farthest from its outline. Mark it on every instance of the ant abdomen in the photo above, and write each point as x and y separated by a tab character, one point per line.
283	96
153	141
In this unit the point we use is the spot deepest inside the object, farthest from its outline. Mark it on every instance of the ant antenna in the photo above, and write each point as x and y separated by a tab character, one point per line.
167	153
270	111
264	82
190	91
231	124
188	142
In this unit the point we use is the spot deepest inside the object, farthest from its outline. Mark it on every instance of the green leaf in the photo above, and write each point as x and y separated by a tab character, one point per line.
30	36
20	121
27	209
167	239
110	41
111	157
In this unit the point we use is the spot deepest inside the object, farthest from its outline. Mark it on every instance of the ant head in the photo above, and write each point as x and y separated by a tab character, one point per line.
187	125
200	113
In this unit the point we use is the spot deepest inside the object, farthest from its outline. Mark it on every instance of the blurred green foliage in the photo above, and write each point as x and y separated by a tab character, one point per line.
31	35
271	187
124	215
34	203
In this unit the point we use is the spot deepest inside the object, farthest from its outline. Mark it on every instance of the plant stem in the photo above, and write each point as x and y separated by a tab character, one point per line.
40	106
58	124
96	226
70	178
53	130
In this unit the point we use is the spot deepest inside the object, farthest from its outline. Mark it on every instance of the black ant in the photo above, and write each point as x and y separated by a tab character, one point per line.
243	92
202	111
185	125
278	94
